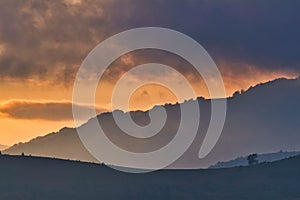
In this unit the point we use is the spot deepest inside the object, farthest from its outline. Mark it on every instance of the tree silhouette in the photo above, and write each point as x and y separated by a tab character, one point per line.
252	159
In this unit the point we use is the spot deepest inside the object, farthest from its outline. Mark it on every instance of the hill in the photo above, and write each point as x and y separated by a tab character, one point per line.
268	157
63	144
44	178
263	119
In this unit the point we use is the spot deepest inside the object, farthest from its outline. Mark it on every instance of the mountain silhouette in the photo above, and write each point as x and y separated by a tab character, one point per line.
25	177
263	119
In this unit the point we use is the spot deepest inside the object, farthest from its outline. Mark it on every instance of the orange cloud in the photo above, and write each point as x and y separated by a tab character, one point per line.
42	110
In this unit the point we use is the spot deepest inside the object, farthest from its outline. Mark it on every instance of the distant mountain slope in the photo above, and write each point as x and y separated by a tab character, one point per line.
2	147
265	118
63	144
29	178
242	161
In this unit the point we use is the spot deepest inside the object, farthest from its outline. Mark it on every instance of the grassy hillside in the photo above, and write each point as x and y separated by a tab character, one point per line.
42	178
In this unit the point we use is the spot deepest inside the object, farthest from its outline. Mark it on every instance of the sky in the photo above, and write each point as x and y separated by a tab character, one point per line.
43	43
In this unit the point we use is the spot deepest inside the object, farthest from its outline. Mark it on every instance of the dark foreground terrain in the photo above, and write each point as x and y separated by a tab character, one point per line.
41	178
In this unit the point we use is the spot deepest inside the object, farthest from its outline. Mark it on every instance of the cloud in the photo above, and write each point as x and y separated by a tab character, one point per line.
40	110
48	40
45	40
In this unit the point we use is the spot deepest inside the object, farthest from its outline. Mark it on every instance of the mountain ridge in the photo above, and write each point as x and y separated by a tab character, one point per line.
252	124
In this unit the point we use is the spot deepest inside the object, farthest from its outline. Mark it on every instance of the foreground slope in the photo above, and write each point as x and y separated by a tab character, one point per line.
41	178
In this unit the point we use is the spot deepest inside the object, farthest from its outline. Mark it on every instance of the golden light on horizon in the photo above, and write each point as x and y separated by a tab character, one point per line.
21	130
145	97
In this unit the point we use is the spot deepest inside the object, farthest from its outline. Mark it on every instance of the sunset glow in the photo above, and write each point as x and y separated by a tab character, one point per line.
21	130
45	43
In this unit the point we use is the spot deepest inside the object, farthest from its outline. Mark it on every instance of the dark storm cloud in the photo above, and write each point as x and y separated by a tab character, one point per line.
48	40
261	33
